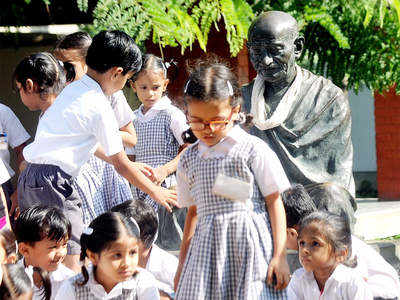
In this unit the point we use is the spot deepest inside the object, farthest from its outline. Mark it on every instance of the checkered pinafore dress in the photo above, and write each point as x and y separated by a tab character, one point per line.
83	292
232	245
156	146
100	188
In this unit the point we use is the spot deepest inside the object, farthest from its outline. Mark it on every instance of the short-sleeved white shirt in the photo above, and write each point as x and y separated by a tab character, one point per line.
71	129
4	174
146	290
267	169
16	134
344	284
163	266
381	277
123	112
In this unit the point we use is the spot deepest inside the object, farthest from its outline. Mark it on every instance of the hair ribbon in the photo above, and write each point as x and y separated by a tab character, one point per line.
88	231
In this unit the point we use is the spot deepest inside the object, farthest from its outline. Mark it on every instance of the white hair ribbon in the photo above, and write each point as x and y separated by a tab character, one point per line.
135	225
186	86
230	88
88	231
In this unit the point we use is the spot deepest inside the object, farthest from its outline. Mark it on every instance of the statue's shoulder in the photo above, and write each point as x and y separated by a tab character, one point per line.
325	84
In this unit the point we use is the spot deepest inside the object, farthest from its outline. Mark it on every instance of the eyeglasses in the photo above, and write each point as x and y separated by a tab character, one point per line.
214	125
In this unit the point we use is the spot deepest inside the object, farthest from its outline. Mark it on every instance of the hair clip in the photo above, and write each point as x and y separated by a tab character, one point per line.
61	63
135	224
186	86
88	230
16	247
230	88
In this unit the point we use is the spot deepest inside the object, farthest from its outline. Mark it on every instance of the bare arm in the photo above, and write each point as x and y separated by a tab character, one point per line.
190	225
128	134
170	167
134	174
278	264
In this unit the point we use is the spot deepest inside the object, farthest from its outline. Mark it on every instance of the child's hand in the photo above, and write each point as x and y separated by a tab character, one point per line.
145	169
160	174
165	197
279	267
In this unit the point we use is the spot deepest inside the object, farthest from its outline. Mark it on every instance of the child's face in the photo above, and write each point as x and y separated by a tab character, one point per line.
149	87
206	113
315	252
46	254
73	56
117	263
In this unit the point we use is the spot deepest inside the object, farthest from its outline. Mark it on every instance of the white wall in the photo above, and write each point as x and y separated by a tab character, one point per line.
363	130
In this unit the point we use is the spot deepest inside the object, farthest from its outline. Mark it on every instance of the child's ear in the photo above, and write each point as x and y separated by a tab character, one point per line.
341	255
93	257
116	71
29	86
166	81
11	259
292	236
24	249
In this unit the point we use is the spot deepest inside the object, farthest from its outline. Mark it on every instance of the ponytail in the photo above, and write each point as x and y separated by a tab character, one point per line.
46	283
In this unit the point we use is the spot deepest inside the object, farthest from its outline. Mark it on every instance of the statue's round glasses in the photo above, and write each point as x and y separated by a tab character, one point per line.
214	125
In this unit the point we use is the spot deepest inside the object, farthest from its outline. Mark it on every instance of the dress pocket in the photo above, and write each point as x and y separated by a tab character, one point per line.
232	188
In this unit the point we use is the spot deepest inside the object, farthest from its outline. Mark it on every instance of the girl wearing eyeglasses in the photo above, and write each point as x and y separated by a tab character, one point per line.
235	232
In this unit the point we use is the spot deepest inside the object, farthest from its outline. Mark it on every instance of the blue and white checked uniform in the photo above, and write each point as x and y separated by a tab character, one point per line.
159	133
232	245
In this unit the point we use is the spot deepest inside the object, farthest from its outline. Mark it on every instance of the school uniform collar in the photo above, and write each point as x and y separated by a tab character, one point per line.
116	291
338	275
91	83
224	145
161	104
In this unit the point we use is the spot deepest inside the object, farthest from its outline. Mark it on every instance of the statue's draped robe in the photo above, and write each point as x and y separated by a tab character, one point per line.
314	142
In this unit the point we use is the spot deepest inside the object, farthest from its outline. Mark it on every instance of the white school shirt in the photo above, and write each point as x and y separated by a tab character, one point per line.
178	119
4	174
145	291
163	266
266	167
381	277
16	134
71	129
344	284
123	112
57	278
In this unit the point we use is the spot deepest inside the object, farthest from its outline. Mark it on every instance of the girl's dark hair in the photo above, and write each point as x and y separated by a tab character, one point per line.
37	223
144	215
153	63
297	203
7	240
113	49
212	81
102	232
337	231
44	70
15	282
78	40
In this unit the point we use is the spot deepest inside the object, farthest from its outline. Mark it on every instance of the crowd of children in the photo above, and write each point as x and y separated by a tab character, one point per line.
200	184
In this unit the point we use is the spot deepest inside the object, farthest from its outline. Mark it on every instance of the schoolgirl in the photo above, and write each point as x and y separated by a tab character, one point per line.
159	126
231	182
111	243
42	234
98	184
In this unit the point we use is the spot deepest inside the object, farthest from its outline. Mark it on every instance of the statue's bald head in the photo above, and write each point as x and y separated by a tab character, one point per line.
273	24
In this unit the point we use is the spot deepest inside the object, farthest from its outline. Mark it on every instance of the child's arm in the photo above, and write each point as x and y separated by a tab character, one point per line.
135	176
128	134
190	225
170	167
278	264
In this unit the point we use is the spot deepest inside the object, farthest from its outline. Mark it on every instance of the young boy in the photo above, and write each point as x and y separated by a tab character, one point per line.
79	123
152	258
381	277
